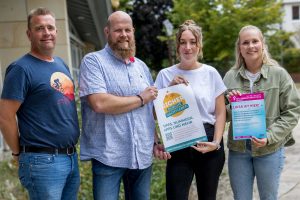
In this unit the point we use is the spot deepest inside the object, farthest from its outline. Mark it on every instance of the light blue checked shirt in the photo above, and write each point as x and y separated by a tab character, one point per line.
122	140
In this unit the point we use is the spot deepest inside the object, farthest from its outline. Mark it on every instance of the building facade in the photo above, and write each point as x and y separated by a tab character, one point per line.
291	19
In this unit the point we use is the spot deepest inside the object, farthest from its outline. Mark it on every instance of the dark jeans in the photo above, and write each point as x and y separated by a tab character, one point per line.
188	162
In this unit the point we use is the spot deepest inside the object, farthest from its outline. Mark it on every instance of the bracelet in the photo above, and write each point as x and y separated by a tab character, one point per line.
217	144
15	154
141	98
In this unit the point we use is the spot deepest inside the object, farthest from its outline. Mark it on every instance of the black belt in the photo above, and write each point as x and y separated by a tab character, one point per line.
33	149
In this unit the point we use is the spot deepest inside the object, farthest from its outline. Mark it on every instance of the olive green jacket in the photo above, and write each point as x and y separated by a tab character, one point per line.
282	104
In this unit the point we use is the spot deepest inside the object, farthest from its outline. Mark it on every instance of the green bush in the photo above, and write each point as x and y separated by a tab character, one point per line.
291	60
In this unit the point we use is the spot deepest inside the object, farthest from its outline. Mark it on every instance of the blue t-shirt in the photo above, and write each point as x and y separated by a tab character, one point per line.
47	116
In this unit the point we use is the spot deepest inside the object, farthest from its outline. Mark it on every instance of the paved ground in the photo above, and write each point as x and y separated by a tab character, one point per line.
290	178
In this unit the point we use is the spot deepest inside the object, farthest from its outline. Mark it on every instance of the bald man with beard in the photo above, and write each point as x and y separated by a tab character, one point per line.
117	91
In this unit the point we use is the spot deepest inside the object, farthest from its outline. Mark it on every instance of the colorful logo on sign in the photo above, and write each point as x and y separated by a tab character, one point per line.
174	104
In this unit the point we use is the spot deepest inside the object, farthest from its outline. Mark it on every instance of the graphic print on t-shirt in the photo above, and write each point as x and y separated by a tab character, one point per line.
62	83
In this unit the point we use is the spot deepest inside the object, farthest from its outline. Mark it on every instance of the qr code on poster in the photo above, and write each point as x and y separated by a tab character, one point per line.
169	136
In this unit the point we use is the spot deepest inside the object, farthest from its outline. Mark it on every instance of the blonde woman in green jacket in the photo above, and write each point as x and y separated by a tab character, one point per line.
255	71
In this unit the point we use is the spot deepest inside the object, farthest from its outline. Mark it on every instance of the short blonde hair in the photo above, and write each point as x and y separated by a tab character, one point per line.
266	57
196	31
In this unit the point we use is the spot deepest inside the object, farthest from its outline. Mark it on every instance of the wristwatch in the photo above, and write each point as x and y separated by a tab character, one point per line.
217	144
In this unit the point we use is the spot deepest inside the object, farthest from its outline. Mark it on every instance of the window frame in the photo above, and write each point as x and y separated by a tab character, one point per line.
295	12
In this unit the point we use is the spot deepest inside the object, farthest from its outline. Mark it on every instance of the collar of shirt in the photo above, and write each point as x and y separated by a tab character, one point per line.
264	71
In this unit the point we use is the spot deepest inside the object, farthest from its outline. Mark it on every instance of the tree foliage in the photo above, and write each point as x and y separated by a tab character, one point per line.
291	60
278	44
221	21
148	17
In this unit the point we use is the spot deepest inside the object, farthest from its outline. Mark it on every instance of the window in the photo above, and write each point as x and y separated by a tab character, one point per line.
77	54
295	12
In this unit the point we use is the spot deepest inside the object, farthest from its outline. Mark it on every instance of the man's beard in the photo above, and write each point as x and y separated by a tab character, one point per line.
124	53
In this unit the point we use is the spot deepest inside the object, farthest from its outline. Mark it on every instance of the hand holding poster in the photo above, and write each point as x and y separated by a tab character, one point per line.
248	116
178	117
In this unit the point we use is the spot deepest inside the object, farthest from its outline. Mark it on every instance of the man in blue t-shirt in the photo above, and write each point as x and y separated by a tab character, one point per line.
39	90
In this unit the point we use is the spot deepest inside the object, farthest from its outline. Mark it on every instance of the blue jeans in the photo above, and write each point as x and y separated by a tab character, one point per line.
49	176
107	180
267	169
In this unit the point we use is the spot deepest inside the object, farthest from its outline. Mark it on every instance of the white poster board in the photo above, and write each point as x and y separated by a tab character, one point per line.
178	117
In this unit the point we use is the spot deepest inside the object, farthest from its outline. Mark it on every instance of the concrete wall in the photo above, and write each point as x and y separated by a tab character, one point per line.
13	24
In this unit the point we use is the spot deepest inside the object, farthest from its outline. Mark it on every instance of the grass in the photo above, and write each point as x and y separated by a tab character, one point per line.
10	187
